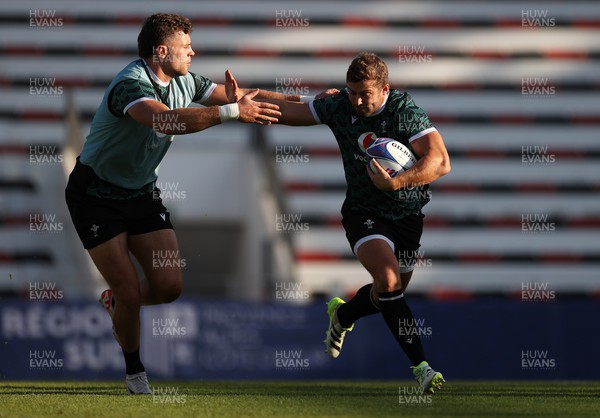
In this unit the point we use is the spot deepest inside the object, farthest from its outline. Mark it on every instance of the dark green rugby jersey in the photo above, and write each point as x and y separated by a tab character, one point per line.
399	119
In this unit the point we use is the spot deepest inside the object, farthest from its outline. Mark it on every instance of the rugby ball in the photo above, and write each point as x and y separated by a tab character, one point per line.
392	155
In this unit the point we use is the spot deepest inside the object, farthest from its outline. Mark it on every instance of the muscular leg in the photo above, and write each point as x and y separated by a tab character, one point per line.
379	260
112	260
365	302
158	254
162	283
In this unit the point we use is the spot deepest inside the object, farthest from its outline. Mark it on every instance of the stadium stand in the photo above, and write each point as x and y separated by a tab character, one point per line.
512	87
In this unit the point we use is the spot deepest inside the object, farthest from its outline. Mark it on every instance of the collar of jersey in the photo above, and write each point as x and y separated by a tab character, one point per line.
154	76
378	111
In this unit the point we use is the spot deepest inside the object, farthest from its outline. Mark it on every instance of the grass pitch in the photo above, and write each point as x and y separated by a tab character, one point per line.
301	399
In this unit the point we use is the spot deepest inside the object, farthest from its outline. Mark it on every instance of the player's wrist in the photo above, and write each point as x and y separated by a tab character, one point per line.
229	112
398	184
307	99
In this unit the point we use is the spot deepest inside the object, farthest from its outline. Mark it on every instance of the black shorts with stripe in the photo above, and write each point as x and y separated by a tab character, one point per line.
97	220
402	236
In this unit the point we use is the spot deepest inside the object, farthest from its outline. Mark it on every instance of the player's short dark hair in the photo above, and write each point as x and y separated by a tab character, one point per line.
367	66
157	28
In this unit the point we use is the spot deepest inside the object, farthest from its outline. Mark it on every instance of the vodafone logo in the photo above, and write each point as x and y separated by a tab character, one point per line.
365	140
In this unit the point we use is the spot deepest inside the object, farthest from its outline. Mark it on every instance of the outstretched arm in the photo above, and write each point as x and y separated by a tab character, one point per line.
230	92
156	115
295	113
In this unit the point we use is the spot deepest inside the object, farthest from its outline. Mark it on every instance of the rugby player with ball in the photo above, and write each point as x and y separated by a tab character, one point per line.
378	130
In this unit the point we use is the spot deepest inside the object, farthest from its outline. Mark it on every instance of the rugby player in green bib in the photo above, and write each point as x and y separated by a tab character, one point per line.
111	193
381	215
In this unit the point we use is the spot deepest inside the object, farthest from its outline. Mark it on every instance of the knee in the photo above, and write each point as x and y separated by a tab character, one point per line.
170	292
127	295
387	281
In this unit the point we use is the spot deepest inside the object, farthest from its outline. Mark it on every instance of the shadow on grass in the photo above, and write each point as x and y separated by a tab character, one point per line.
61	389
322	389
527	389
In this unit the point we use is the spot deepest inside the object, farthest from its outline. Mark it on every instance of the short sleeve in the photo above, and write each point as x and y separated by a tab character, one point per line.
203	88
326	108
413	122
126	92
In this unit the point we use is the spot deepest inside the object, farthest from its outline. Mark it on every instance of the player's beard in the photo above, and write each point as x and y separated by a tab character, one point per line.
364	111
177	71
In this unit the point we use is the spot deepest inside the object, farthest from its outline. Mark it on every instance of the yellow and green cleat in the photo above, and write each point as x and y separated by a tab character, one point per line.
428	379
335	333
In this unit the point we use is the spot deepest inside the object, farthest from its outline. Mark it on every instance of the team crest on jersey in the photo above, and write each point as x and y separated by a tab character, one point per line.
383	127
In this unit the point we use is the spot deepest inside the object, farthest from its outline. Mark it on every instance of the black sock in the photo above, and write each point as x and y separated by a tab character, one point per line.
133	364
401	323
360	305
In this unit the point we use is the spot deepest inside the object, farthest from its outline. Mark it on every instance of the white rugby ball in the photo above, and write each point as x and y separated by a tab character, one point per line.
392	155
